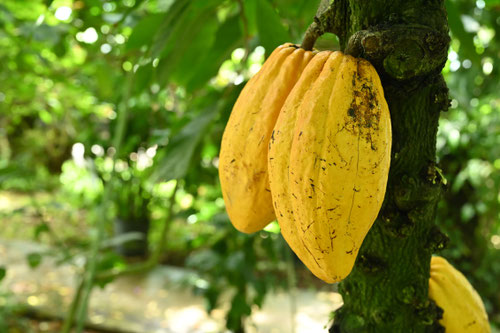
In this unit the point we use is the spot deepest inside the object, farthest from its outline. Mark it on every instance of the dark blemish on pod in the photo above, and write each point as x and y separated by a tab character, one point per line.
233	160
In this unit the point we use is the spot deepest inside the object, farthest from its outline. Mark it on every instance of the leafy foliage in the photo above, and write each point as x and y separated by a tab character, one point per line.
468	146
69	68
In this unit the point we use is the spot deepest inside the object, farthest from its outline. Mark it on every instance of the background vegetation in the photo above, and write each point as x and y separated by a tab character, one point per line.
111	115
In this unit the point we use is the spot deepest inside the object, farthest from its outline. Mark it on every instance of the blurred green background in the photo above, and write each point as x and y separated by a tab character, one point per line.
111	116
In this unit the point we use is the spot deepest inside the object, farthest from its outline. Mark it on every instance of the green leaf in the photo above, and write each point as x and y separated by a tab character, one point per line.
40	229
239	310
272	33
228	37
212	296
170	23
60	48
240	306
9	172
142	77
492	2
250	12
457	29
182	49
180	150
187	61
3	272
145	31
105	76
106	262
260	292
174	22
34	259
273	227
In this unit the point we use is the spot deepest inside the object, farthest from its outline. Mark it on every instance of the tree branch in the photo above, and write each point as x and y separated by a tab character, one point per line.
401	51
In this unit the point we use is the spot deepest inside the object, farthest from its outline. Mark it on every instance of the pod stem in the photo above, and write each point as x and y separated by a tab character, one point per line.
313	32
324	21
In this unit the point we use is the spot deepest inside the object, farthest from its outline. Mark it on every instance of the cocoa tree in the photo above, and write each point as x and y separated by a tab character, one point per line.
407	42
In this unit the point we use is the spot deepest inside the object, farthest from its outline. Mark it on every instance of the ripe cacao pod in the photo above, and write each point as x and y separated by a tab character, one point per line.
463	309
329	158
243	155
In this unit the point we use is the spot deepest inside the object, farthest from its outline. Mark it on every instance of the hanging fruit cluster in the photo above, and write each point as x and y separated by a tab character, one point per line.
463	309
308	142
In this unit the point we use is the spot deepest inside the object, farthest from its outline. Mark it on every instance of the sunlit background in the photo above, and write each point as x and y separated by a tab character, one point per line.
111	115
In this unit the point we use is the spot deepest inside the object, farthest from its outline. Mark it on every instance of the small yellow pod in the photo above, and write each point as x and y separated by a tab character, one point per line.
463	308
244	148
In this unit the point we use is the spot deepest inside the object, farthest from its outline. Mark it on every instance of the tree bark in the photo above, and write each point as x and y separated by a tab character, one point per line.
407	42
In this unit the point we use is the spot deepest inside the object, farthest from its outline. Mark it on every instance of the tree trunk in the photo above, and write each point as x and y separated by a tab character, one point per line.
407	41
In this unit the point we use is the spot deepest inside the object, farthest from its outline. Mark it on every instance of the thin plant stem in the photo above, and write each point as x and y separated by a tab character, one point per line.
321	24
292	287
68	321
155	257
98	235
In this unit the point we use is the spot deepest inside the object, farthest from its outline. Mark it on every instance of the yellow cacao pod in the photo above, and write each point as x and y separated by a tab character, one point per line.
243	155
463	309
329	159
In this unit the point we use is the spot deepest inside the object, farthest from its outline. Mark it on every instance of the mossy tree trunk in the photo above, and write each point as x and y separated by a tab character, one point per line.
407	41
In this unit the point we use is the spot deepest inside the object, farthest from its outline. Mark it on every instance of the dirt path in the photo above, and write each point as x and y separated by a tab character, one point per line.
152	303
